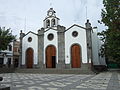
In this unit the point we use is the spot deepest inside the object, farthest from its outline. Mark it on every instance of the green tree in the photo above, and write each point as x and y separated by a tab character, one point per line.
111	36
5	38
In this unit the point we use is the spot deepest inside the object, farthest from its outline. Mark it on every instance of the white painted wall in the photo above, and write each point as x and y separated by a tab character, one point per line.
33	44
52	42
70	40
6	59
95	47
9	54
101	59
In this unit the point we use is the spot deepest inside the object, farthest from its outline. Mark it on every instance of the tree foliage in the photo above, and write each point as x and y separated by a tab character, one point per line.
111	36
5	38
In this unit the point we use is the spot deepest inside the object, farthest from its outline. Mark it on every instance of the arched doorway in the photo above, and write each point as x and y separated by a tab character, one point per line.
29	58
75	56
50	57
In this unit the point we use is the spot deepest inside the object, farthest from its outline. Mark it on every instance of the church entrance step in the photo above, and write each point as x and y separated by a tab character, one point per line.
54	71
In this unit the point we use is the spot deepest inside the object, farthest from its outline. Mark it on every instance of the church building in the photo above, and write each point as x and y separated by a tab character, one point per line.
58	47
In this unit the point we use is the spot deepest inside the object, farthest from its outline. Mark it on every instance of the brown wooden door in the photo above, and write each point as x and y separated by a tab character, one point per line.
50	57
75	56
29	58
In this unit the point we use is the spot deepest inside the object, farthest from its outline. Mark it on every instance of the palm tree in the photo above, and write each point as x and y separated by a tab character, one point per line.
5	38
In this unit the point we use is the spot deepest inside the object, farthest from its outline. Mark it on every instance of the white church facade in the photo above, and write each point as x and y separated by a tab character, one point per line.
54	46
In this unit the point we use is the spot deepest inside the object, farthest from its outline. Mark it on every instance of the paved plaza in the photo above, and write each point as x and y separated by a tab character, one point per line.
22	81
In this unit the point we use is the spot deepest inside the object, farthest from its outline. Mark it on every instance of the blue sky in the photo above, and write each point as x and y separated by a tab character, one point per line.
28	15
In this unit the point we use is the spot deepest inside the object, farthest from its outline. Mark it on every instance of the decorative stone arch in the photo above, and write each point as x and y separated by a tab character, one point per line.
76	55
50	53
53	22
47	23
29	57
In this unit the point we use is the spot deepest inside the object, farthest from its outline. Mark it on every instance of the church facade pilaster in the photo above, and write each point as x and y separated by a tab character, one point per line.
89	41
40	47
61	47
20	50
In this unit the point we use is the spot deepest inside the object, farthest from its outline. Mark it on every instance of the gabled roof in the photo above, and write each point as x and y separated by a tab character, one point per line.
30	32
49	29
75	25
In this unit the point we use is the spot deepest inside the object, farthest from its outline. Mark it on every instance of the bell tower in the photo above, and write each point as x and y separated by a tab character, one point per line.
51	21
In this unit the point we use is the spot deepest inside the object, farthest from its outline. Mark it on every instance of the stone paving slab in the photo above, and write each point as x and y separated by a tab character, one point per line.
22	81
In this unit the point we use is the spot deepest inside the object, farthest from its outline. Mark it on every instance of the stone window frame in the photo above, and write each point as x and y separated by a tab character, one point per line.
29	39
75	33
50	36
53	22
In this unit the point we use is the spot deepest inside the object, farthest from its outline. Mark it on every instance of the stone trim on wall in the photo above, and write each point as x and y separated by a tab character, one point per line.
40	47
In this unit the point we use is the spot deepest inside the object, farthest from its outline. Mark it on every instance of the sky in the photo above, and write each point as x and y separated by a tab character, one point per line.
28	15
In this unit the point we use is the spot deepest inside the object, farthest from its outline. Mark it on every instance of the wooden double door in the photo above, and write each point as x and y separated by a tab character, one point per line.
29	58
75	56
51	57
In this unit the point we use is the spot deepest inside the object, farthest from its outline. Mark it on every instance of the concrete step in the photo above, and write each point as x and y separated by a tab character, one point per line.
114	69
54	71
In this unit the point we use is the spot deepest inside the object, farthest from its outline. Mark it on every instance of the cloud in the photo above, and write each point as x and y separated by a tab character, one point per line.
13	12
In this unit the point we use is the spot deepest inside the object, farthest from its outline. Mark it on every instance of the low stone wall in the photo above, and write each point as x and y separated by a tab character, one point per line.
7	70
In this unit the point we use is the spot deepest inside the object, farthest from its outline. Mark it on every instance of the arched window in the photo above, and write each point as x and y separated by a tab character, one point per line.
53	22
47	23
